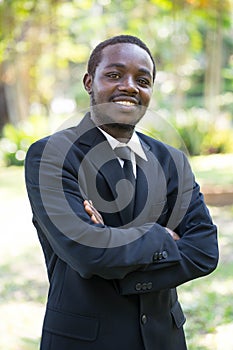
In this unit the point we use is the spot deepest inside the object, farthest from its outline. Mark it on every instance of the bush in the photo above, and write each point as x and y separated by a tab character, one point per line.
218	140
197	131
17	139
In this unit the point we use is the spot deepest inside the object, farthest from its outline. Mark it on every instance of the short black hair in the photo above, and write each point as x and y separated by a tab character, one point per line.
95	56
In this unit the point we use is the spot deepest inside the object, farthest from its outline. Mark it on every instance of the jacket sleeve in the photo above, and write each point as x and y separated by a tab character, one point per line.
143	256
198	247
65	229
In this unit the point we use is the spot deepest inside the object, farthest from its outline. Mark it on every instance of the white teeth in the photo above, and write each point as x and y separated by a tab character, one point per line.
126	103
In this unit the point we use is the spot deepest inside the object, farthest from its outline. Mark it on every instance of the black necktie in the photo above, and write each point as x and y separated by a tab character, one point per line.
124	153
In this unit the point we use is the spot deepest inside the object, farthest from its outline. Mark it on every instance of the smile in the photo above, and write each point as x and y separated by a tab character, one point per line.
126	103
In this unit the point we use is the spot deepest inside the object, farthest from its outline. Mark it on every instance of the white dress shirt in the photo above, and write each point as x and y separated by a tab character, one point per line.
134	144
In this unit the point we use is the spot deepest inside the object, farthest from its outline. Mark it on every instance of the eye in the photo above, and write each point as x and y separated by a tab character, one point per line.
113	75
144	82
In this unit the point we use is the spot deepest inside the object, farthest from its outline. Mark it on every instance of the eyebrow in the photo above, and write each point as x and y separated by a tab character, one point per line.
121	65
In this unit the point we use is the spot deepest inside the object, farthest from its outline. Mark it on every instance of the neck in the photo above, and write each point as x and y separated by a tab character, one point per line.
121	132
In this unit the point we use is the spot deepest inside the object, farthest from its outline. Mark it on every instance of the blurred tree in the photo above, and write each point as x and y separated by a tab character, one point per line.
21	23
216	16
44	46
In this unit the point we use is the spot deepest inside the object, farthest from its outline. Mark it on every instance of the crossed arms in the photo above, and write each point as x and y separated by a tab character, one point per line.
97	218
80	238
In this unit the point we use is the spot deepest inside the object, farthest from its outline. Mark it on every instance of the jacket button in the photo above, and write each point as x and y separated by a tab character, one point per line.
149	285
156	256
144	286
138	286
144	319
165	254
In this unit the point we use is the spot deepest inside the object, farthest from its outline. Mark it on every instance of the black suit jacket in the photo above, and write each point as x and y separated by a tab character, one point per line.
113	286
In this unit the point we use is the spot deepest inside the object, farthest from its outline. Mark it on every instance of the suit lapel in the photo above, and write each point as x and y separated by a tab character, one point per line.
150	184
105	165
151	188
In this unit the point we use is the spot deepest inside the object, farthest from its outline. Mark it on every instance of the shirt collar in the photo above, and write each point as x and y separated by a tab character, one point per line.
134	144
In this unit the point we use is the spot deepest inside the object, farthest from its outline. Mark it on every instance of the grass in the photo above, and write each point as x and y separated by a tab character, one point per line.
12	181
207	302
23	280
214	169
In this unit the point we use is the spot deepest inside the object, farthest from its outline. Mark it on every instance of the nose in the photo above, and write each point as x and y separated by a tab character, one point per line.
129	85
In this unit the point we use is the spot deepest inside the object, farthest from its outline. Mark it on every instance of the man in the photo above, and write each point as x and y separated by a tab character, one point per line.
117	242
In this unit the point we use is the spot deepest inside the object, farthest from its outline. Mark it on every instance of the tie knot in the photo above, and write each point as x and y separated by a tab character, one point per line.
123	152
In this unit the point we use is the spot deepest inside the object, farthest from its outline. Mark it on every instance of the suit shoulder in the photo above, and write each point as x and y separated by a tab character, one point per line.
56	139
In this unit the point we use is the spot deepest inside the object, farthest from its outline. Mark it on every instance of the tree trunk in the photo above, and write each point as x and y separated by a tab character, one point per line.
4	117
213	68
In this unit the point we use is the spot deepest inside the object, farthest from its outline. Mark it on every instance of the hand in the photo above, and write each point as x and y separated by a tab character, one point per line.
174	235
95	216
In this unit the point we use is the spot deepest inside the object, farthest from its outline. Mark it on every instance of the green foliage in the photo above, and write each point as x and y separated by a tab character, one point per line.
218	140
45	44
194	131
53	38
192	135
17	139
207	304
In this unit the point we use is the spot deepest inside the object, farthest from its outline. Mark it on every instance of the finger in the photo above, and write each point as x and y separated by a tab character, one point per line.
94	219
89	211
92	212
88	208
174	235
98	216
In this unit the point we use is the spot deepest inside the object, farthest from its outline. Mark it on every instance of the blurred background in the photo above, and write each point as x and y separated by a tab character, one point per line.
44	48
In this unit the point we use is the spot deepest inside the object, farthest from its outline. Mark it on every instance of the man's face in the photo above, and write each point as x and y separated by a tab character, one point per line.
122	86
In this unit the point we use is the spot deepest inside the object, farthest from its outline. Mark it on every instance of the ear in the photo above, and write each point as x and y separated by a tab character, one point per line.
87	82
